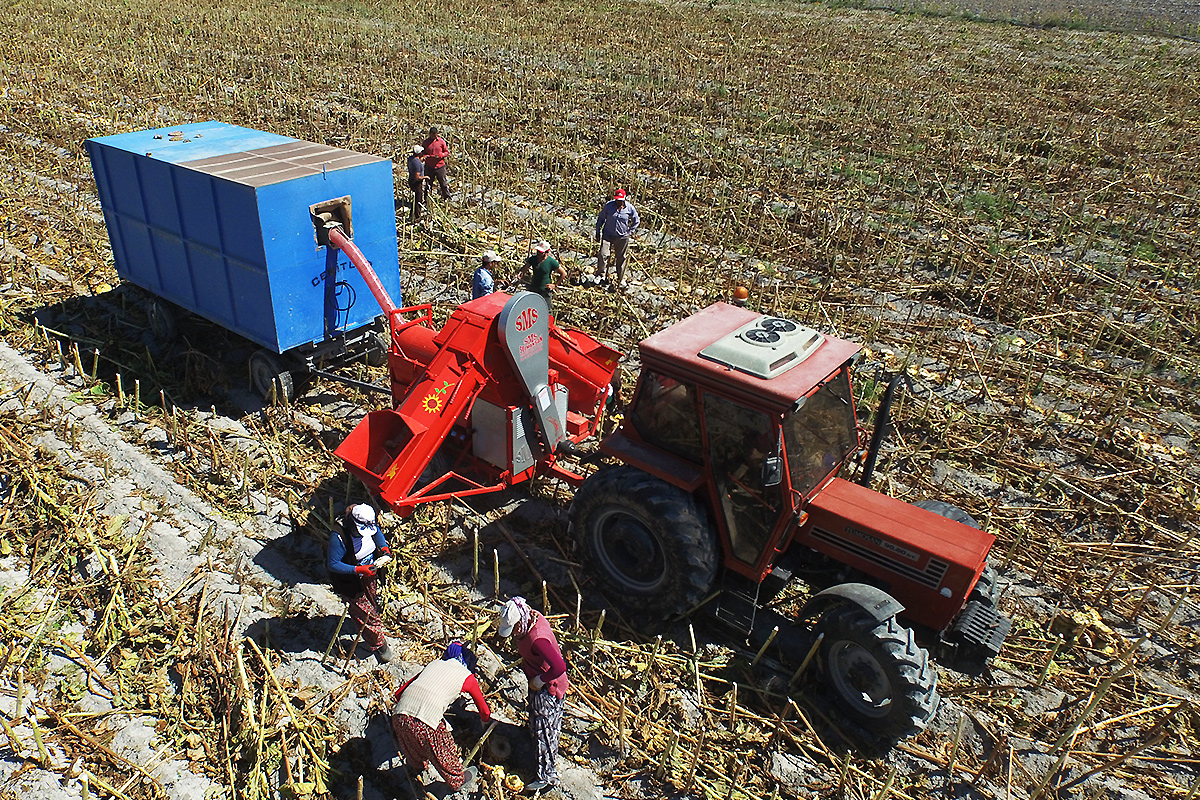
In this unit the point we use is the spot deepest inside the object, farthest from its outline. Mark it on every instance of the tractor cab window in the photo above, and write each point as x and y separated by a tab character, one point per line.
739	440
665	415
821	434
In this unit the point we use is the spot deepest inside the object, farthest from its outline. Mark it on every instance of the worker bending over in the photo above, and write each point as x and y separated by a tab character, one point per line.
418	718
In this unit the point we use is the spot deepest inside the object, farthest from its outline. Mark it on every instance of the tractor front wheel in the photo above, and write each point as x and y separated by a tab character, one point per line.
944	509
878	674
647	540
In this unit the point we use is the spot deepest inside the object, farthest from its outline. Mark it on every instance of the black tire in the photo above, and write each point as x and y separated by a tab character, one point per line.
986	587
269	378
377	349
949	512
878	675
647	541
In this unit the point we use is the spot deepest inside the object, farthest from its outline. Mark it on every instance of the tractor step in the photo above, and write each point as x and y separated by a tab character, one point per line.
737	604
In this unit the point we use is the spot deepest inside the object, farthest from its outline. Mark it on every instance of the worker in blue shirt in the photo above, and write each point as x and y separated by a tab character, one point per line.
483	282
356	554
617	221
416	181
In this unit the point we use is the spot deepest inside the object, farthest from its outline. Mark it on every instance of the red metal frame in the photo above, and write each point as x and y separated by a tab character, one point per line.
437	376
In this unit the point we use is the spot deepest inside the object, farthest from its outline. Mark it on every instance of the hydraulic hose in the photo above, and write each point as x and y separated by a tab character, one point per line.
338	239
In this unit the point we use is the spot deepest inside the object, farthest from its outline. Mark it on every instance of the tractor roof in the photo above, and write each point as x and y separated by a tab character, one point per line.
733	349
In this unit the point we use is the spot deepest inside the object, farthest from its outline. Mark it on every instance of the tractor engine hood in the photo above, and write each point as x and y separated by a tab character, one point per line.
926	561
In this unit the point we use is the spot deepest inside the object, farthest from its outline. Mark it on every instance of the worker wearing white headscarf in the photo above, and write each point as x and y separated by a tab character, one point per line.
353	573
544	666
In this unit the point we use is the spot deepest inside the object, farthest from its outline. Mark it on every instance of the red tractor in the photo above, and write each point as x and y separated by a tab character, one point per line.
723	482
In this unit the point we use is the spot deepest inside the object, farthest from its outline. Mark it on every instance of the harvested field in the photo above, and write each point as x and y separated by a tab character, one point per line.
1007	215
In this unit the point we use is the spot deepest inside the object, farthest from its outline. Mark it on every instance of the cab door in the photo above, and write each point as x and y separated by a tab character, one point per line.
739	439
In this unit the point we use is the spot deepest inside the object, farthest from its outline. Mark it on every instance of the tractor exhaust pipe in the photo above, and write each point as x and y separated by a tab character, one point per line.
877	436
338	239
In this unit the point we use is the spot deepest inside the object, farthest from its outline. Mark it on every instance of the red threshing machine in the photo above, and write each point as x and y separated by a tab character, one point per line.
487	402
722	484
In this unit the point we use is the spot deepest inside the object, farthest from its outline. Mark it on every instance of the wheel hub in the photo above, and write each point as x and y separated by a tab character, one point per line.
631	551
860	679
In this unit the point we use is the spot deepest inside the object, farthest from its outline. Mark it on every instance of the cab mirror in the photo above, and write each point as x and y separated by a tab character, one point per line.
772	471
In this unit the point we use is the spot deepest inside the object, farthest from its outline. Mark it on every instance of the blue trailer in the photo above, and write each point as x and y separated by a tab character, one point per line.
224	222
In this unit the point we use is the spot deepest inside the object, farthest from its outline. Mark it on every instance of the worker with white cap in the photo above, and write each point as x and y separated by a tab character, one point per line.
356	554
543	269
483	282
416	181
544	666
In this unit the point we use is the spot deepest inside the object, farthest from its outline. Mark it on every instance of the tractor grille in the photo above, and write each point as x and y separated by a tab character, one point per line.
863	545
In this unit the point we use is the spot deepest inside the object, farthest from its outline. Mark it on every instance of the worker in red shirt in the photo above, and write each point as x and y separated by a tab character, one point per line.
544	666
418	718
436	153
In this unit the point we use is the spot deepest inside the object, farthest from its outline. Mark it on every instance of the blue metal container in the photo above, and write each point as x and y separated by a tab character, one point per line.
219	220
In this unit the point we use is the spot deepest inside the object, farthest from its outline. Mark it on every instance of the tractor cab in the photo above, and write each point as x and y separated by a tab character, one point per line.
754	412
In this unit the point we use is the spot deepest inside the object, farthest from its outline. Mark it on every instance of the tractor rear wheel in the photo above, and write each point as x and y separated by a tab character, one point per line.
878	674
647	540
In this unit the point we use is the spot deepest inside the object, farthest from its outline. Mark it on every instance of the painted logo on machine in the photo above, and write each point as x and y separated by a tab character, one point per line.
533	342
531	346
526	319
343	265
885	554
883	544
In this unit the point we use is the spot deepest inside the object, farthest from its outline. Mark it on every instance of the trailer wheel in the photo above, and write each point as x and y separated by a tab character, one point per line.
269	378
647	540
878	674
160	323
377	349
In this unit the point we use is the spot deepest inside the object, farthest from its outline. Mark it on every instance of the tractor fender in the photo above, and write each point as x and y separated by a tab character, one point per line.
876	602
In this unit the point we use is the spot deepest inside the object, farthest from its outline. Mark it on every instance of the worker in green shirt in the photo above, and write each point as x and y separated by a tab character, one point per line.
543	270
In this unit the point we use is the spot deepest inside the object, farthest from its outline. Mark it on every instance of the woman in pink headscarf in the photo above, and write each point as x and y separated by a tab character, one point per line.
542	661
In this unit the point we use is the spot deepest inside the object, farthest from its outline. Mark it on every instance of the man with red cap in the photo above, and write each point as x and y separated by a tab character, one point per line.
616	223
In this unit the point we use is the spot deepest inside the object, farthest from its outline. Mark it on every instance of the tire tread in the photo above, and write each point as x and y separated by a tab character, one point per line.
916	700
691	552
